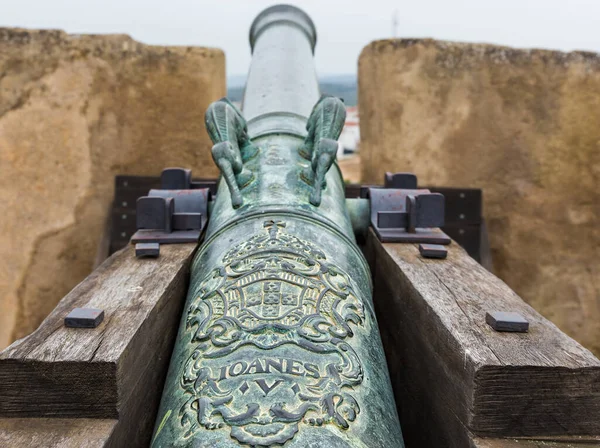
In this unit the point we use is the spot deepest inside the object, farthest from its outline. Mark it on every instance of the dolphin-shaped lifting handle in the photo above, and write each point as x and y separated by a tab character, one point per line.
324	127
228	130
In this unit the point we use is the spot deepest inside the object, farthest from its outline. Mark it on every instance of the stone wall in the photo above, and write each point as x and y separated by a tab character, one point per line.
74	112
523	125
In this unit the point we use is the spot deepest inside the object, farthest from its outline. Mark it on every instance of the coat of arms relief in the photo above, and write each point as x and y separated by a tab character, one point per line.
270	329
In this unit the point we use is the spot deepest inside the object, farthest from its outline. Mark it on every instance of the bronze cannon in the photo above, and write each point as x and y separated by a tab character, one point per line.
278	344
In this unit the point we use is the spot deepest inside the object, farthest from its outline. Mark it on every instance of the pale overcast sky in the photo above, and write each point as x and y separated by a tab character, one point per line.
344	27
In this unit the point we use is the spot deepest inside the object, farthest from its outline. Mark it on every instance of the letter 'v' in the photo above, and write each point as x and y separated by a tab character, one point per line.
266	389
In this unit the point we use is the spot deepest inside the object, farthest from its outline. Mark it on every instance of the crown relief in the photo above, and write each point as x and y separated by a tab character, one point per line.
273	290
273	240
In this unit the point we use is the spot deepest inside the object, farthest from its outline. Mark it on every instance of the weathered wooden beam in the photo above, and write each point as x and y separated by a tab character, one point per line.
114	371
55	432
541	442
454	375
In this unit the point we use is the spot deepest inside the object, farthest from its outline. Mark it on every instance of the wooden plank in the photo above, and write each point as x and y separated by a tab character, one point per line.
114	371
55	432
561	442
452	373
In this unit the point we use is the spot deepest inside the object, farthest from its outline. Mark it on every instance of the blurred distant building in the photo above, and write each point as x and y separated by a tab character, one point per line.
350	138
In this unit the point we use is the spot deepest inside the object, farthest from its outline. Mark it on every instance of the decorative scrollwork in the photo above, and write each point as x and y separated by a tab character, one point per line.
285	314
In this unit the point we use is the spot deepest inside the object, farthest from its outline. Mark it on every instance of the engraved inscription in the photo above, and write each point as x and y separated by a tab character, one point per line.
270	329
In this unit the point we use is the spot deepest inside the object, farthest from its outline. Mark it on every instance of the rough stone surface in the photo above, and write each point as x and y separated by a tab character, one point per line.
74	112
523	125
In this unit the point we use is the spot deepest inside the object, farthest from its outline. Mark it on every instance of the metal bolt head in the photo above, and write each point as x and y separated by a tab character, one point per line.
151	250
507	321
406	181
433	251
84	318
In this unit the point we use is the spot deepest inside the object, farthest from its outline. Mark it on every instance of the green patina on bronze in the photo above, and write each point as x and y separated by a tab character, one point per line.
324	127
278	344
227	128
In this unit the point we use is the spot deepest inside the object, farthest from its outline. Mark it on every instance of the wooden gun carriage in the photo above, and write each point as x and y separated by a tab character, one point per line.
457	382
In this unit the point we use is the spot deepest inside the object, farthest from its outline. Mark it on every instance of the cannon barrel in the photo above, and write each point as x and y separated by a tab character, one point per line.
278	343
282	86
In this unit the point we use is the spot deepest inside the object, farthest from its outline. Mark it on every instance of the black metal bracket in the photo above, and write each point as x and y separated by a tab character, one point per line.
176	213
401	213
